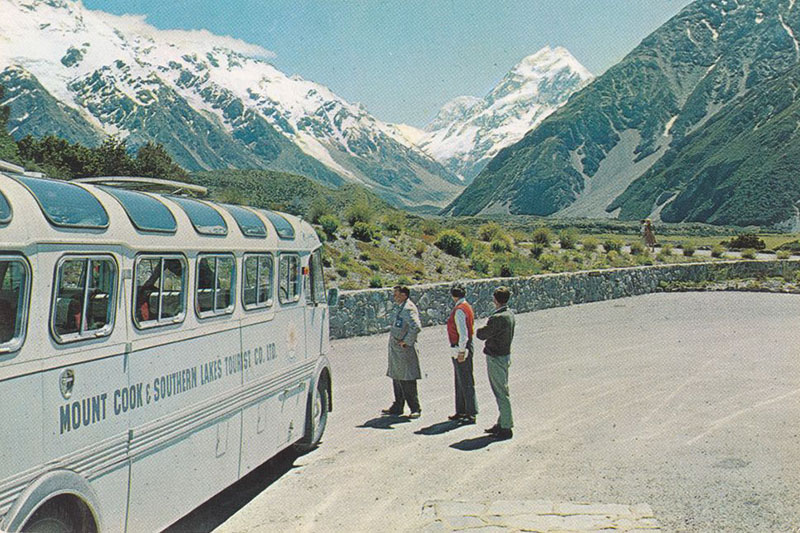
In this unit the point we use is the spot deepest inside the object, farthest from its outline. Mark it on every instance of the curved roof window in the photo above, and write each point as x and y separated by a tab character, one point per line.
65	204
248	222
283	227
146	213
5	210
205	219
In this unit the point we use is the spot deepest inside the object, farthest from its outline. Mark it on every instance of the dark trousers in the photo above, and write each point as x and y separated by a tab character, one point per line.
465	386
405	392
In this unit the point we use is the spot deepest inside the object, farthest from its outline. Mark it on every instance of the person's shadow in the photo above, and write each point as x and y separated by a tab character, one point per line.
469	445
385	422
439	428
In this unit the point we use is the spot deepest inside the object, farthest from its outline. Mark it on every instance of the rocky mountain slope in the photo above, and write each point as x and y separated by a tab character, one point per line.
642	123
213	102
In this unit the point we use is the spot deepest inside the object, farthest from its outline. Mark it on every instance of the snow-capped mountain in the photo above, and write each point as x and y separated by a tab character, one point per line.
212	101
469	131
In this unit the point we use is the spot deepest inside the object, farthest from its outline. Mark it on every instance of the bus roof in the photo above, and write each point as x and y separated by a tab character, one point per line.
34	209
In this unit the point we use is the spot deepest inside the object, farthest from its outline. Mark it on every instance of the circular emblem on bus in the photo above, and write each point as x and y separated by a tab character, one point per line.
67	381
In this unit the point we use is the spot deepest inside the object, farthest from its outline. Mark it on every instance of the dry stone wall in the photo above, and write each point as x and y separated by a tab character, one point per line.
366	312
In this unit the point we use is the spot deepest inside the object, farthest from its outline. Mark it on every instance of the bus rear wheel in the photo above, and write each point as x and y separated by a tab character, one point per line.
62	514
316	416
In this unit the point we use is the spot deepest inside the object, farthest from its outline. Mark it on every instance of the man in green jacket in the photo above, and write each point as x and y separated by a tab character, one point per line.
498	334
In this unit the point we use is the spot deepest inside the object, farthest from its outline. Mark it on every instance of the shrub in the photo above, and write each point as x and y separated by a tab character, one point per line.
394	222
451	242
543	236
749	253
318	209
792	246
419	248
746	240
717	250
689	249
430	227
783	254
502	244
329	225
372	265
589	244
567	238
612	245
481	262
439	268
490	231
548	262
537	251
637	248
360	211
343	271
363	256
404	280
505	270
375	282
365	232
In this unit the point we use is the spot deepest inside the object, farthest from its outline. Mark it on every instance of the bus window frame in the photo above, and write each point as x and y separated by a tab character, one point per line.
271	300
180	317
314	258
215	312
80	335
15	343
299	283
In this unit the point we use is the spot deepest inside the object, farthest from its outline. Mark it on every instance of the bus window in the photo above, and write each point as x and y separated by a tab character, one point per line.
215	282
160	294
257	290
84	300
289	287
317	281
14	283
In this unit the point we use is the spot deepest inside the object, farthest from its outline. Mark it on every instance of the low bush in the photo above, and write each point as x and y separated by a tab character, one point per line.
567	238
748	253
542	236
375	282
502	244
589	244
490	231
329	225
481	262
717	250
451	242
746	240
783	254
537	250
637	248
689	249
612	245
365	232
505	270
419	248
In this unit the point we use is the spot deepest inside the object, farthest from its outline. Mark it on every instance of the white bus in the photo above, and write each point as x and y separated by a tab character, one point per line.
154	348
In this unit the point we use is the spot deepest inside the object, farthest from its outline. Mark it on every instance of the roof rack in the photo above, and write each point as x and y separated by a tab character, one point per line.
149	184
5	166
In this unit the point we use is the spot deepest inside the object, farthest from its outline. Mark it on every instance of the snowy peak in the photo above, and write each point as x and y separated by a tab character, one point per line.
213	101
468	131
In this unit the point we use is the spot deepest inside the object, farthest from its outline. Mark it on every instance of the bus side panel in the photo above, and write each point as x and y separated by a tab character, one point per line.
21	415
185	443
289	426
88	432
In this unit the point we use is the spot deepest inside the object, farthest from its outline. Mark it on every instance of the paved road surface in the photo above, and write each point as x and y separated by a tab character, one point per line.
686	403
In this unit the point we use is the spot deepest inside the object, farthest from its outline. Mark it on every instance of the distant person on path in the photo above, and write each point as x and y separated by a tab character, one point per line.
498	334
647	234
403	357
459	333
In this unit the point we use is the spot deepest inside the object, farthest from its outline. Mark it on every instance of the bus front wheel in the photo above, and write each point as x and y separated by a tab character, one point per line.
316	416
62	514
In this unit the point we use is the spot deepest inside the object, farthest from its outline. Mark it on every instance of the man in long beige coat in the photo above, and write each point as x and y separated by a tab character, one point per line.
403	356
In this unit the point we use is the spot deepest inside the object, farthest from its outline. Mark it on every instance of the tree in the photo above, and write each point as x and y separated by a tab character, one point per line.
153	161
112	159
8	148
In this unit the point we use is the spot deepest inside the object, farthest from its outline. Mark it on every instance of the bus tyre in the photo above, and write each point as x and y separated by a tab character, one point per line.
316	416
61	515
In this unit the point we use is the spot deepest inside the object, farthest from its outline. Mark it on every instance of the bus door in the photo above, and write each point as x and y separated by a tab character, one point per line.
316	306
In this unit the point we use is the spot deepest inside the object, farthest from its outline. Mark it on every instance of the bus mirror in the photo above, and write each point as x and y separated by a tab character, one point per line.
333	297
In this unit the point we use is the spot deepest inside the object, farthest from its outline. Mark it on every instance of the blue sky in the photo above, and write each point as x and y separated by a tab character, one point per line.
403	59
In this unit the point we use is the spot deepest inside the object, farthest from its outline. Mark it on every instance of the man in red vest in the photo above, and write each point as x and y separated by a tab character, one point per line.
459	332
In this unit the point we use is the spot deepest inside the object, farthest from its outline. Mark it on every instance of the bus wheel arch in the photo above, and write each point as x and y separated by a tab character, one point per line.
57	497
318	407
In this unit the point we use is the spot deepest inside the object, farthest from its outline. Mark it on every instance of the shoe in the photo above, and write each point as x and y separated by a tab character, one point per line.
504	434
392	412
493	430
415	414
468	420
457	416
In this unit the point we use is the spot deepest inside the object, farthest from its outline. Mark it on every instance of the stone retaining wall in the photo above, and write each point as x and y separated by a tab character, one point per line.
366	312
